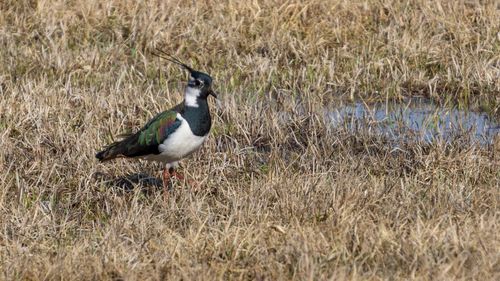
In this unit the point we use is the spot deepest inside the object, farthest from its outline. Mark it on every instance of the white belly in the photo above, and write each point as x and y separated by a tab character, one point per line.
178	145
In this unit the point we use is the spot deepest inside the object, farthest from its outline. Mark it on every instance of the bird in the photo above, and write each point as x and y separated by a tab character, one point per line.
173	134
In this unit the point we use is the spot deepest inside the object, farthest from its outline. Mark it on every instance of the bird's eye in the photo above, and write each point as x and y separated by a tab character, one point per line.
198	83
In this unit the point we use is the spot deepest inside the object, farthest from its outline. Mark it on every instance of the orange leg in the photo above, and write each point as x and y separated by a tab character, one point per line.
170	173
177	175
181	177
166	180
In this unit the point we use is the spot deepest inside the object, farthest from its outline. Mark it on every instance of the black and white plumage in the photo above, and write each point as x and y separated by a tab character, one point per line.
173	134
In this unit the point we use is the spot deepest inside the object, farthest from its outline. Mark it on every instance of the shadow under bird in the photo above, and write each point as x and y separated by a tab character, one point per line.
173	134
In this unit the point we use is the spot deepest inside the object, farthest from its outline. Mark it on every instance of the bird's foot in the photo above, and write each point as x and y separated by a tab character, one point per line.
194	184
169	174
166	182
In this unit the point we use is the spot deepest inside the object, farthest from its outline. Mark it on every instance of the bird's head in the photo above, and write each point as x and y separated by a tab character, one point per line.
199	83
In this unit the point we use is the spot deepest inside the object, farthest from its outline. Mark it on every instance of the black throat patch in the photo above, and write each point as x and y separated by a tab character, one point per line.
198	118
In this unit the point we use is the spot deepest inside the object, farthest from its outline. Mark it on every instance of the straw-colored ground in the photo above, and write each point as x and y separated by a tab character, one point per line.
283	195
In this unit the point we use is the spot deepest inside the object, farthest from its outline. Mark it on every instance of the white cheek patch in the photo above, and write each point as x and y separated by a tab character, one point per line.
191	96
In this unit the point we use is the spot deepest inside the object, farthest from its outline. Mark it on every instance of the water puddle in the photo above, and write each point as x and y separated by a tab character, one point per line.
417	119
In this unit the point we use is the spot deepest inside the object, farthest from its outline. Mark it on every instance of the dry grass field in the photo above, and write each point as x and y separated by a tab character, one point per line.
283	195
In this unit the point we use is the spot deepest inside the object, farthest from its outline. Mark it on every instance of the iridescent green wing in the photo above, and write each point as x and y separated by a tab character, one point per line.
158	129
146	140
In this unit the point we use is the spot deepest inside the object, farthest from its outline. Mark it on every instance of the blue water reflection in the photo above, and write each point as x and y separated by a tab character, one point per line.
418	119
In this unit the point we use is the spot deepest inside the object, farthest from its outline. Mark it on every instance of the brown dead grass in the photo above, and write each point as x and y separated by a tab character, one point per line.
283	198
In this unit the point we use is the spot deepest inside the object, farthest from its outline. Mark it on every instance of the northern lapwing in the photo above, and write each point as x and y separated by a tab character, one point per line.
173	134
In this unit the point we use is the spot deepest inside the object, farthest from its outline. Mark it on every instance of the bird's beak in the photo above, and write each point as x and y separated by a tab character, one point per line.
212	93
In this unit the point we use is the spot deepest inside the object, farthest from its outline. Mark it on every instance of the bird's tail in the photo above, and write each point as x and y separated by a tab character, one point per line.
110	152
